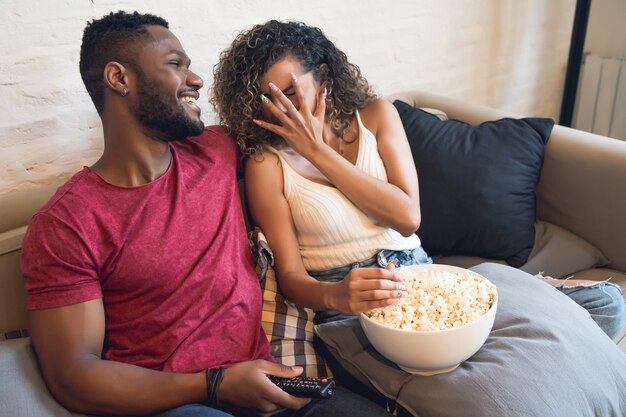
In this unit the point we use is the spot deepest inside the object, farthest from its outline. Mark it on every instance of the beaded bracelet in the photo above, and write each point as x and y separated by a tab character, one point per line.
214	377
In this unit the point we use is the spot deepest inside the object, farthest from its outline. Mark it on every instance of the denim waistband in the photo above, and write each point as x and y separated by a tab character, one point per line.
406	257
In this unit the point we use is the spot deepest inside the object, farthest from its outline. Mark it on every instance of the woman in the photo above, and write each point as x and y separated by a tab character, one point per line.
330	178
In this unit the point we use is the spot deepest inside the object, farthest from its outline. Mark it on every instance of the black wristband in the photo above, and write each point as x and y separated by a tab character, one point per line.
214	378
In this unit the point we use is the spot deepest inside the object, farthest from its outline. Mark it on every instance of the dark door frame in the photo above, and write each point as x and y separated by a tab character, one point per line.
574	61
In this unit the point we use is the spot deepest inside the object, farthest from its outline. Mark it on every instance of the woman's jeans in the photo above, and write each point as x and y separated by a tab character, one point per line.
604	301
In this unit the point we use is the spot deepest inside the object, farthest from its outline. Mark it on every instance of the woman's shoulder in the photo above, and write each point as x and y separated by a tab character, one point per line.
263	171
263	160
377	113
377	109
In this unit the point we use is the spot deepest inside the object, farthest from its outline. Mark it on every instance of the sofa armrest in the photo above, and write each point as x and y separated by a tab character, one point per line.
583	189
12	296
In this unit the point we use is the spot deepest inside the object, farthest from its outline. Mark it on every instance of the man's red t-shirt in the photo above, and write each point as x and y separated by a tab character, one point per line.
169	259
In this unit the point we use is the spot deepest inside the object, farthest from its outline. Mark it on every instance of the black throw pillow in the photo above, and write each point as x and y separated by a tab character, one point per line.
477	183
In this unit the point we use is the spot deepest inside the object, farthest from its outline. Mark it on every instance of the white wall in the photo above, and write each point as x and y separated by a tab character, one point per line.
502	53
606	29
601	95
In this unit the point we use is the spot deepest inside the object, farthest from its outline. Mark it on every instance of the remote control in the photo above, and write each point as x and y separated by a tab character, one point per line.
301	386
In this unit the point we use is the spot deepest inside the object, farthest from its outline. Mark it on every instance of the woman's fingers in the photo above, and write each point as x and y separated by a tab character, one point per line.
320	108
279	130
388	273
367	288
297	88
276	112
357	307
375	284
388	290
280	106
379	295
391	265
281	98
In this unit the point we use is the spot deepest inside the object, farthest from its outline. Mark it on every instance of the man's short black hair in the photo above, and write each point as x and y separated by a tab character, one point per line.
111	38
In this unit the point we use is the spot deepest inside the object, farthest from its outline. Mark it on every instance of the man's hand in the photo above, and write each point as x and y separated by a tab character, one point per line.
246	389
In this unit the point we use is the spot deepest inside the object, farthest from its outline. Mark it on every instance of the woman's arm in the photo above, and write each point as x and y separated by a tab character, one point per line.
361	290
394	203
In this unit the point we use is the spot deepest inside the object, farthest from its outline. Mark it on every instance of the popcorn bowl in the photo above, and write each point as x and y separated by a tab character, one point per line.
431	352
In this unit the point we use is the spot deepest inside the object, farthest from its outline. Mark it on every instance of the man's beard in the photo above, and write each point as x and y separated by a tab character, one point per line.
156	111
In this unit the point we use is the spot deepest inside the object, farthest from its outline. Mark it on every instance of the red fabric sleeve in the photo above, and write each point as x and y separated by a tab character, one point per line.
56	264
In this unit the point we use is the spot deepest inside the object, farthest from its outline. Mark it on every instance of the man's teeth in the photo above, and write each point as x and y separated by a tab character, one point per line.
189	99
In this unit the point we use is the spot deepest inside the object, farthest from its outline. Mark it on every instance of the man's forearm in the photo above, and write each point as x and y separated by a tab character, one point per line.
105	387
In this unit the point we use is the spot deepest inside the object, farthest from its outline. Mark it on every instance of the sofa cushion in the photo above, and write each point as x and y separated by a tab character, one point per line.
22	389
545	356
559	253
288	326
556	253
477	183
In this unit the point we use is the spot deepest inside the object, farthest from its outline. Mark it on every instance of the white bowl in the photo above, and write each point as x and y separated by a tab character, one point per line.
430	352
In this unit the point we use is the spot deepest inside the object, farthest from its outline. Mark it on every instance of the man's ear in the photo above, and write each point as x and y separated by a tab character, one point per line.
116	78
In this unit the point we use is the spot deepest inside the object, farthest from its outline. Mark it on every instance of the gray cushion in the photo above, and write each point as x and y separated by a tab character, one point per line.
23	392
544	357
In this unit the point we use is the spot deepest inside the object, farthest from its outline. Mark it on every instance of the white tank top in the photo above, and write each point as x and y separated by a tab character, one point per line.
331	230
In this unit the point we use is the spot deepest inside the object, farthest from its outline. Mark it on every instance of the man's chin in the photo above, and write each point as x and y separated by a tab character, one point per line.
198	129
189	129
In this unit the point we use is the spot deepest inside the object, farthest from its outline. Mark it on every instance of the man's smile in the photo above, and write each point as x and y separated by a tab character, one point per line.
189	99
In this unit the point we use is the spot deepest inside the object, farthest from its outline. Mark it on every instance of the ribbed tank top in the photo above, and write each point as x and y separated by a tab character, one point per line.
331	230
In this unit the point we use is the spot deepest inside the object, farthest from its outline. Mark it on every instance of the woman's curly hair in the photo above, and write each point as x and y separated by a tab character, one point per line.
236	87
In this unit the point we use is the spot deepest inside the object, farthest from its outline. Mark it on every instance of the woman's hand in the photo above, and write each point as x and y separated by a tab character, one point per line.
246	389
366	288
301	128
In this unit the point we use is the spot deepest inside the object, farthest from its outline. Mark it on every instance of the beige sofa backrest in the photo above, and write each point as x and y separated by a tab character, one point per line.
582	189
583	179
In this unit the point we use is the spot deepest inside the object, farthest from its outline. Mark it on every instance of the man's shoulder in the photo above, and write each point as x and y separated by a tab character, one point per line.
65	209
73	185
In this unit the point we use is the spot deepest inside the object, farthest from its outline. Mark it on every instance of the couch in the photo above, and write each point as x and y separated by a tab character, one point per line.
581	191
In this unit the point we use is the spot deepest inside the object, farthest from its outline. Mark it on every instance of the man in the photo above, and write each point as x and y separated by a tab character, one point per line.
142	295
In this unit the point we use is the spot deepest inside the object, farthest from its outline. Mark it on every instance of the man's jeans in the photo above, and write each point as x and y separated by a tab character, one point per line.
343	403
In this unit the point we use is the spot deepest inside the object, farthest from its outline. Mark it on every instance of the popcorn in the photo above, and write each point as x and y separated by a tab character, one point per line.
437	300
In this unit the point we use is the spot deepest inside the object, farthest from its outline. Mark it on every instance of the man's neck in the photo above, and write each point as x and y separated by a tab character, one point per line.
132	156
